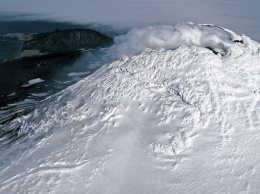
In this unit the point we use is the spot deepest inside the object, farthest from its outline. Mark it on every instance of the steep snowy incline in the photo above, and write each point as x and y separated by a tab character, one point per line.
163	121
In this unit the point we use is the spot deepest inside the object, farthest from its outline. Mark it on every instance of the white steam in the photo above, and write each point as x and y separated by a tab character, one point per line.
169	37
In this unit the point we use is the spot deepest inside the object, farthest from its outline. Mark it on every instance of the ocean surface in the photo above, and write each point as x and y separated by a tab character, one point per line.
25	84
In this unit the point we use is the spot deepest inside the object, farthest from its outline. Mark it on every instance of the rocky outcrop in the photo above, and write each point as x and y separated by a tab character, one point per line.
62	41
42	56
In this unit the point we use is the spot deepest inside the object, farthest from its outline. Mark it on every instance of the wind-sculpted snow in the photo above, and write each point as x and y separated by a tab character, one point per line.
163	121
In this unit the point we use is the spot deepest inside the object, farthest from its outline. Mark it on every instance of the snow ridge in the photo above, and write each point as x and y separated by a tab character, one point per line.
163	121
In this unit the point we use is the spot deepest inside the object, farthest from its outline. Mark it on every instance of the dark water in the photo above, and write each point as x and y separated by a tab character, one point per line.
34	26
56	73
8	47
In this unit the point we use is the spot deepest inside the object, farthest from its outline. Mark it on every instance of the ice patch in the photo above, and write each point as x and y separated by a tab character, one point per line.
75	74
43	94
19	36
32	82
12	94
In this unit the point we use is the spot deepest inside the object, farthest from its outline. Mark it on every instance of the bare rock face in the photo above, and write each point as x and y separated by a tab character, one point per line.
62	41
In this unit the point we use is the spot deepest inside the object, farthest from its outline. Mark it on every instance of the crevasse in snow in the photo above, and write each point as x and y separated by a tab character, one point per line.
176	118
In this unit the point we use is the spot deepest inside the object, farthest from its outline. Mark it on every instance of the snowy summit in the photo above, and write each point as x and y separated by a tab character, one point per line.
178	112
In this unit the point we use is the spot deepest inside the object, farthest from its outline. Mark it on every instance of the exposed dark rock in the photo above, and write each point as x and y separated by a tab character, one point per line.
61	41
215	51
238	41
15	73
42	56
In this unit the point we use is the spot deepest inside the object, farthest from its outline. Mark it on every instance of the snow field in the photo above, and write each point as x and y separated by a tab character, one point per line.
161	121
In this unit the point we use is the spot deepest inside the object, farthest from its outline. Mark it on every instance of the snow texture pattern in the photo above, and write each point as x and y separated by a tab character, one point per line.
162	121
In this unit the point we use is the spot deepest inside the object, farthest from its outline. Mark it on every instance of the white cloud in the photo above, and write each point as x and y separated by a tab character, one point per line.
169	37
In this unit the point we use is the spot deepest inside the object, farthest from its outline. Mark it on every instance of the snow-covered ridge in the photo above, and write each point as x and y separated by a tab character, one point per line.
163	121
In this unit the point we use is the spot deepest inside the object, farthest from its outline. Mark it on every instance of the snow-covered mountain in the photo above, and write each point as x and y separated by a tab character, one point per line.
179	112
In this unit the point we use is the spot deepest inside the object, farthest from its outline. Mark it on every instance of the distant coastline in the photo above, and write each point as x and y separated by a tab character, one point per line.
56	68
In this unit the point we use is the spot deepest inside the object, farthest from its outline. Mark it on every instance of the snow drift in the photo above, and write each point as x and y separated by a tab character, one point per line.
163	121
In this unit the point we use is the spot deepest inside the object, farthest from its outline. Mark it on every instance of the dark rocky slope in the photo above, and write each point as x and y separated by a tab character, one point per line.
61	41
42	55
